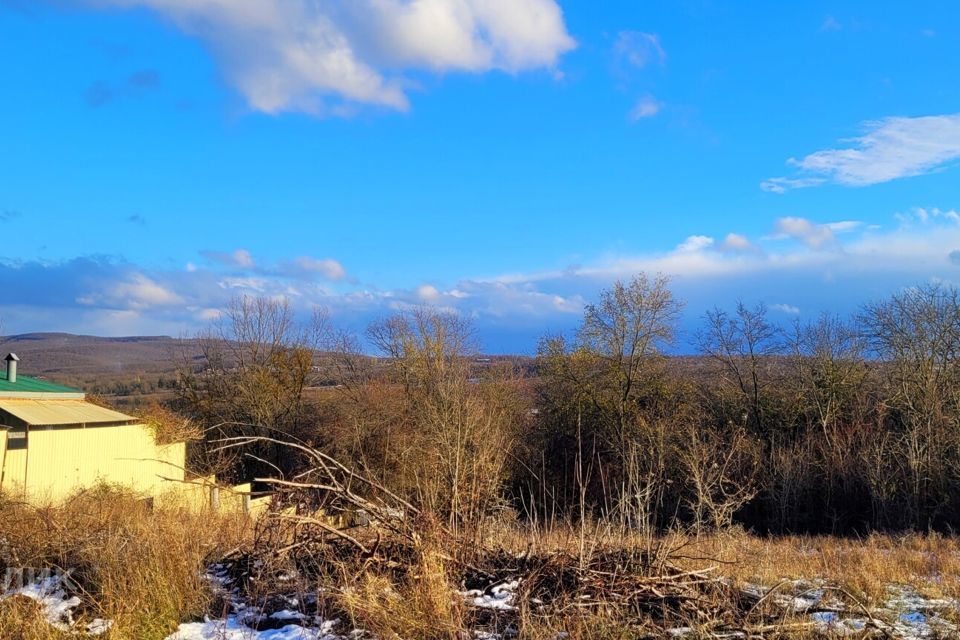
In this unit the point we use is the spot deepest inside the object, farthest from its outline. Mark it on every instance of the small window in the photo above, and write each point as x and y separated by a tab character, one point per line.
16	439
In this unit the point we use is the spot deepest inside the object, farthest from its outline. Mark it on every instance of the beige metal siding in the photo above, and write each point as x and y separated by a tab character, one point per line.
14	472
60	412
3	451
61	461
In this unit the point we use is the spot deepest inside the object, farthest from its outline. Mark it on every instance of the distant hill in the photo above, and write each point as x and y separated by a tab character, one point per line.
59	355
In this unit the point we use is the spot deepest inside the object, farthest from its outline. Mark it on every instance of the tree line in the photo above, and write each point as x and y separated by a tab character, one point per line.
838	424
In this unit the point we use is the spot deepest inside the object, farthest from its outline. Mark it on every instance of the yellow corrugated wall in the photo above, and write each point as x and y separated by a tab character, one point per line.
60	461
193	495
14	471
3	453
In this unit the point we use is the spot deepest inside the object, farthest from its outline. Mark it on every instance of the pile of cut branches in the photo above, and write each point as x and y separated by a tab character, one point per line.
330	529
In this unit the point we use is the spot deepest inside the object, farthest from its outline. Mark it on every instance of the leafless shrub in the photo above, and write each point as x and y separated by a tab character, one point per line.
720	469
168	426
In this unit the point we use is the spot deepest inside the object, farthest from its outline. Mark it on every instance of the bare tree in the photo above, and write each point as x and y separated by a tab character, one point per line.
255	363
742	344
626	333
605	393
462	425
916	334
829	366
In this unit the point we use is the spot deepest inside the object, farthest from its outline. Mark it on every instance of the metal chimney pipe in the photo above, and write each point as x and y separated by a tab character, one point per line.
12	361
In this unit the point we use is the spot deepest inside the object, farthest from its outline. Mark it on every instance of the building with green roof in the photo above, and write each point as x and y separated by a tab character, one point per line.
13	385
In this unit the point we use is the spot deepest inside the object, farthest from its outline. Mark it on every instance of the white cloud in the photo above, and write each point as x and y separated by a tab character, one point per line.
137	292
428	293
240	258
815	236
694	243
844	226
782	185
639	49
862	263
322	57
786	308
924	215
735	242
891	148
646	107
254	285
327	267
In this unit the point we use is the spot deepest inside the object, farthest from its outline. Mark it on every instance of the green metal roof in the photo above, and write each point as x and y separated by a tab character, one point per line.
26	384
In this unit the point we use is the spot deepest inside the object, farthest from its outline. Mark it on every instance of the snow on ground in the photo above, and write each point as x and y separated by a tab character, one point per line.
796	596
499	597
232	629
905	615
916	616
57	605
242	621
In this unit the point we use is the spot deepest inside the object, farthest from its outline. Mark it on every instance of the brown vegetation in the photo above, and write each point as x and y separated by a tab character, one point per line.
138	566
614	486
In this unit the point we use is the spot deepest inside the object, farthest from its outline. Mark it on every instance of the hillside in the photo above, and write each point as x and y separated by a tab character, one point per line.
56	355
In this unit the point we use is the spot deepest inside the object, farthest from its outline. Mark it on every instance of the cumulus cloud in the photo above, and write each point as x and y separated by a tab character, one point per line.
815	236
240	258
245	272
891	148
732	243
735	242
694	243
138	292
322	57
327	267
832	266
428	293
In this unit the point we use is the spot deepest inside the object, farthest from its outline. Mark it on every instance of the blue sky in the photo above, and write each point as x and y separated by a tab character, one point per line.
504	158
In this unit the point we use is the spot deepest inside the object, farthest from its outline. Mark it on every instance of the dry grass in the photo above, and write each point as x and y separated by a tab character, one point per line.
420	606
140	567
860	570
864	567
22	619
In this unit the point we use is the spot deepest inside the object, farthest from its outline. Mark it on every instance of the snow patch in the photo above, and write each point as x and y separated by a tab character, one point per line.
499	597
50	593
231	628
